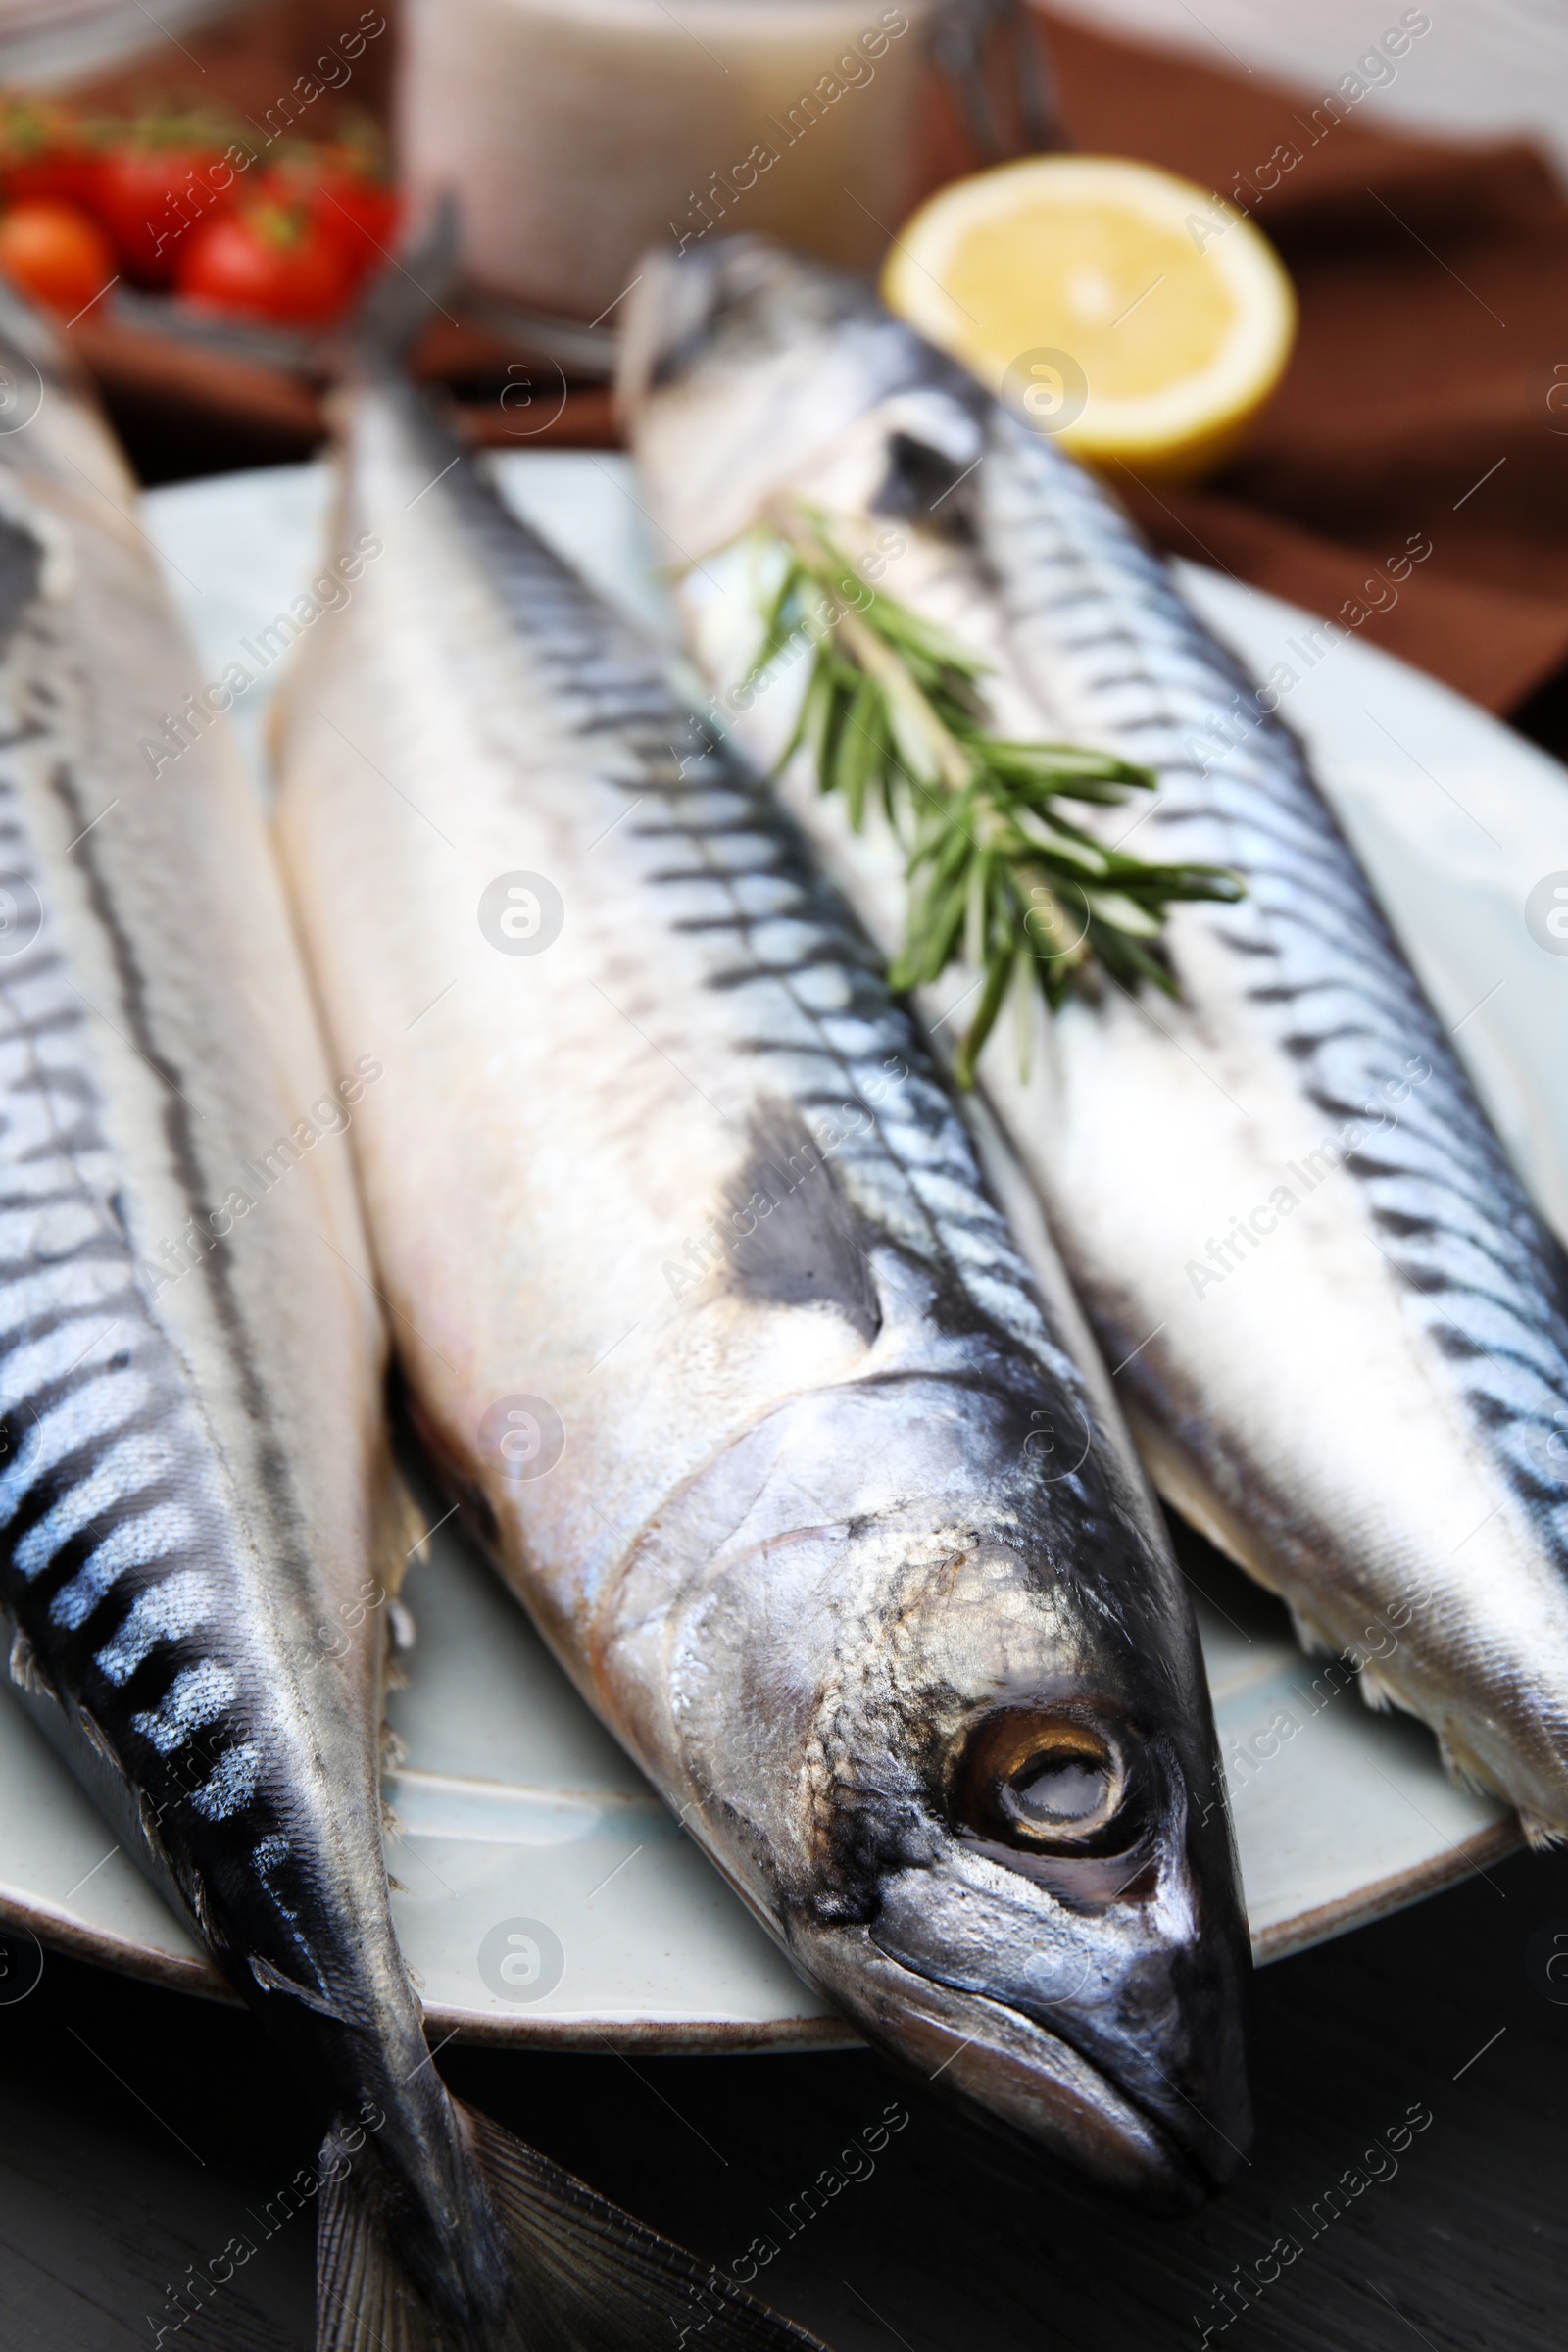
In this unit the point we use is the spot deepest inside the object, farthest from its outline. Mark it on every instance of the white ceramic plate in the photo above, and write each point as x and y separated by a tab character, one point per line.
527	1838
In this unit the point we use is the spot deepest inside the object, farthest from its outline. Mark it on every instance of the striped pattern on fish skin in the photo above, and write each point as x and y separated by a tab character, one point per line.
1104	638
122	1541
802	991
1308	974
788	1428
196	1486
1339	1324
115	1518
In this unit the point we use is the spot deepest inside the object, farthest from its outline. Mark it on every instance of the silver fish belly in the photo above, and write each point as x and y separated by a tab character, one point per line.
1342	1326
820	1496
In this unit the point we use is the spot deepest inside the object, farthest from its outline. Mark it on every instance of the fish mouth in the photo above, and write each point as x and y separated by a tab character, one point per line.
1037	2084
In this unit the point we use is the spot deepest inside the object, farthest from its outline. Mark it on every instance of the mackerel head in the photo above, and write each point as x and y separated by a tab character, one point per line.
898	1654
811	1480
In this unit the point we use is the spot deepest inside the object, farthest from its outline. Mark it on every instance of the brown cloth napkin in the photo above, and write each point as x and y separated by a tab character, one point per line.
1419	405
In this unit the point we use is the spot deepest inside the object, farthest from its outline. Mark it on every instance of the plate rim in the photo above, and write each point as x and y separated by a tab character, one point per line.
1380	1898
658	2036
57	1931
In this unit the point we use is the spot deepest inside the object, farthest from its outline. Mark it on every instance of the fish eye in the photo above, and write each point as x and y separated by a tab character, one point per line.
1045	1783
1057	1793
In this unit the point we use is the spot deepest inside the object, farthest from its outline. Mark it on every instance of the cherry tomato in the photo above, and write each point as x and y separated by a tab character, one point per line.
266	261
57	253
345	195
362	214
154	189
48	149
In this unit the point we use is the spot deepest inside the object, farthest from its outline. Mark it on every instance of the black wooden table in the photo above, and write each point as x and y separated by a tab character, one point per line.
142	2131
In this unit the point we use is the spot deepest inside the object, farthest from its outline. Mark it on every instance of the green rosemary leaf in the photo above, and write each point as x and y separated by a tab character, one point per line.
860	744
814	715
893	713
1067	849
780	620
1122	913
997	974
1055	927
1132	964
924	642
1055	765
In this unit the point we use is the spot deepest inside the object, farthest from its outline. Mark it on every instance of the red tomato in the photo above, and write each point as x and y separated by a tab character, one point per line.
362	213
153	196
56	253
266	261
47	150
344	196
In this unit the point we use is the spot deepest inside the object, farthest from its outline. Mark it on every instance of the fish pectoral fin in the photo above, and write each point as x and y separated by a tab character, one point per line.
272	1980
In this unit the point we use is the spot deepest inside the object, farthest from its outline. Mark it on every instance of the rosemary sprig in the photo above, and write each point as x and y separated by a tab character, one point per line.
894	716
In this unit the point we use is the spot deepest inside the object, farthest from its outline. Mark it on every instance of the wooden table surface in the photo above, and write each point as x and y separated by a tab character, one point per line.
141	2131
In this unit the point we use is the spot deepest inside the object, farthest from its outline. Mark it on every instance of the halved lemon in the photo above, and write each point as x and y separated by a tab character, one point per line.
1134	315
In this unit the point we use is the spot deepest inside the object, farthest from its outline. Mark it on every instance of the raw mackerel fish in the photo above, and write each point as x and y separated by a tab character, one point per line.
1339	1323
198	1526
813	1487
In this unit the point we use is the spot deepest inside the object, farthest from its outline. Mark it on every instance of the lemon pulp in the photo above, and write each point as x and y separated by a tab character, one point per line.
1130	311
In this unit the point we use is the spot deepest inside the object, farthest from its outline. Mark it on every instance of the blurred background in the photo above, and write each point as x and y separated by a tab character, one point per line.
239	169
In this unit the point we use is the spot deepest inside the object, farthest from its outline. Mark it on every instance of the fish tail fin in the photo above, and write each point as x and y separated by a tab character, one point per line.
587	2273
364	2299
582	2274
